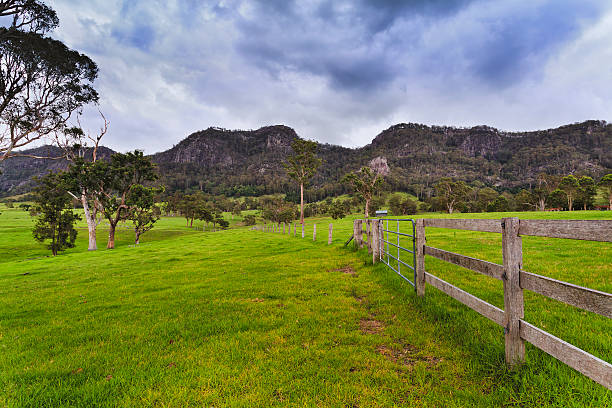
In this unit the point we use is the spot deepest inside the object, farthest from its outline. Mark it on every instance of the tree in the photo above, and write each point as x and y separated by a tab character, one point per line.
338	209
249	219
302	165
85	175
29	15
451	192
55	217
587	191
525	200
278	210
557	198
123	173
500	204
42	82
142	210
606	184
366	182
485	196
400	205
569	184
545	186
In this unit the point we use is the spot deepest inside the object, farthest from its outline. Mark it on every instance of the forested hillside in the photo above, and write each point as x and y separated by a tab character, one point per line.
241	162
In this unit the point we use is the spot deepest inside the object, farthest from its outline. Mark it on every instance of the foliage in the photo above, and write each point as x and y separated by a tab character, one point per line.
365	182
400	205
141	209
557	199
302	165
56	219
606	184
279	211
120	176
586	192
525	200
249	219
451	192
569	184
339	209
500	204
42	82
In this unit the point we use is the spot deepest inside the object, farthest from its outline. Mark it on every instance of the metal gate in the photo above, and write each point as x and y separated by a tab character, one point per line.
391	252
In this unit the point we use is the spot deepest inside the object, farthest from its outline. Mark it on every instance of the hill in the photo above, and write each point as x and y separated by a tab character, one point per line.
249	162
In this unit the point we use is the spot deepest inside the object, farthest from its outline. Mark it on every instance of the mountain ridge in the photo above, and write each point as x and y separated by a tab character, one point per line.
249	162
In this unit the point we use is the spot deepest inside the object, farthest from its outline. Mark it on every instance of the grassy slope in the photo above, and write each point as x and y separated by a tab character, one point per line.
243	318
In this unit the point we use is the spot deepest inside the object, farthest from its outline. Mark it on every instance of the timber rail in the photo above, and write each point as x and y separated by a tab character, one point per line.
515	280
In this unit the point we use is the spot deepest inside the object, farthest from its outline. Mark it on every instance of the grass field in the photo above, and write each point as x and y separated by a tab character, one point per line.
245	318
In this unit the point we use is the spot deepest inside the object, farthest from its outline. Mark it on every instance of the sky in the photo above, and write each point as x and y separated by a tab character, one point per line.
339	71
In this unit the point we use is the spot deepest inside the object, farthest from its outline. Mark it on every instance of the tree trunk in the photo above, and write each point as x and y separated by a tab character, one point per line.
91	224
302	203
137	237
111	236
367	208
610	198
569	202
542	204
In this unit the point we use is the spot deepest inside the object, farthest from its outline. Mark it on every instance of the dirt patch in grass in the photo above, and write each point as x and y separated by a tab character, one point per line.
407	355
347	270
370	326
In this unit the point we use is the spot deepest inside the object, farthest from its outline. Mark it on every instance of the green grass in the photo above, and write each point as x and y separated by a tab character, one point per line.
245	318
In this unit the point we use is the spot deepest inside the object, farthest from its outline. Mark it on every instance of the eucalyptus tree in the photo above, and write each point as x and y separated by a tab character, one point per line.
43	83
365	182
571	187
302	165
606	184
122	174
451	192
86	175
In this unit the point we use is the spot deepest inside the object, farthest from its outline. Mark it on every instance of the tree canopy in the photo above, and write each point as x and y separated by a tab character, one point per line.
43	83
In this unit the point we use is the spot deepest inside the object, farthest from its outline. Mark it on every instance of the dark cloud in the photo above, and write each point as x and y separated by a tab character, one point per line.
340	71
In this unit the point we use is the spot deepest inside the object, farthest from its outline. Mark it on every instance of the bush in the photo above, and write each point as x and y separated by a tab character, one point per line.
249	219
402	206
338	209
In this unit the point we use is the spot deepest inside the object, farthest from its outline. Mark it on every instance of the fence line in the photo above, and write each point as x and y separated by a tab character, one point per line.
515	280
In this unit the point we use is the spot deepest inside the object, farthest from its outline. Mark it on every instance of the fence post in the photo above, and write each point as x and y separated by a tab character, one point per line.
302	230
329	238
374	244
314	232
419	238
512	248
357	233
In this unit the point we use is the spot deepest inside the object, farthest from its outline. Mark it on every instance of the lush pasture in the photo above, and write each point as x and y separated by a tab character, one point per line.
245	318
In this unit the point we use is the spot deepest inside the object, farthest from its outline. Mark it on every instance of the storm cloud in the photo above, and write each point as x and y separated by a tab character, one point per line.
340	71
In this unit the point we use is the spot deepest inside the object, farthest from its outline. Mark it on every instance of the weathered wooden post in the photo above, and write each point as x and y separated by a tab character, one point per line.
419	238
512	248
369	235
314	232
358	233
329	237
374	244
302	230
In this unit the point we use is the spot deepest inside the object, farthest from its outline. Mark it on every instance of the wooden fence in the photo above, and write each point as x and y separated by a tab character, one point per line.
515	280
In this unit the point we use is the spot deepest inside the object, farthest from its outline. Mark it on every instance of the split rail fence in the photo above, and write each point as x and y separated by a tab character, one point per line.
515	280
